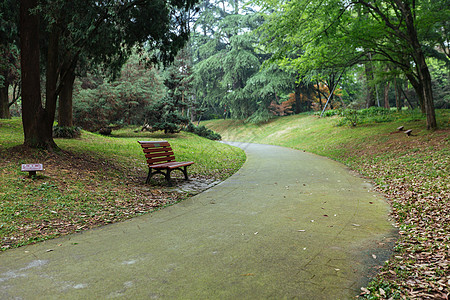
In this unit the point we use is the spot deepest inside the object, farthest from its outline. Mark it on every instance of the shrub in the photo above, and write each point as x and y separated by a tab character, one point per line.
373	114
350	117
66	132
331	112
203	132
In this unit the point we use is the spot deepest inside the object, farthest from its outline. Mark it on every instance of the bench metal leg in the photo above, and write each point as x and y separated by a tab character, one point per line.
185	173
149	176
151	173
166	174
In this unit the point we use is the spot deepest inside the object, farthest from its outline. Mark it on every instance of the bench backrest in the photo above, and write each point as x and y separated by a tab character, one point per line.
157	152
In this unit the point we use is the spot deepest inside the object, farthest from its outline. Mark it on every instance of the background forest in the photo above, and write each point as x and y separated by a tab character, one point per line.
247	60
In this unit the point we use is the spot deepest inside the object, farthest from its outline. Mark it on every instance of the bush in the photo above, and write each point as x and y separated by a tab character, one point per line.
367	115
350	117
66	132
203	132
331	112
165	115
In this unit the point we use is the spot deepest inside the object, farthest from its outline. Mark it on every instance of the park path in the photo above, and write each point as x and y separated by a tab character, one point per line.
289	224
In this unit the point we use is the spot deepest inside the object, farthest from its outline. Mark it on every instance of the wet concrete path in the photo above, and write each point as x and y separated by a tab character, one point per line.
289	224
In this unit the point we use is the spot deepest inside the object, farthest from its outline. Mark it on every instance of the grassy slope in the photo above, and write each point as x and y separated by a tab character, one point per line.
413	172
94	180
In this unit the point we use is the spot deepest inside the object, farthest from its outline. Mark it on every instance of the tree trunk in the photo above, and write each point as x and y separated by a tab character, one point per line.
397	96
298	99
418	88
4	102
319	96
386	95
37	122
422	67
370	96
428	98
65	109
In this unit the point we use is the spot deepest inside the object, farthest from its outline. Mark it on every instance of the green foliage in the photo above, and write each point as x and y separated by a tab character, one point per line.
66	132
262	115
227	74
203	132
378	114
350	117
99	103
389	290
316	36
373	114
165	115
329	113
440	72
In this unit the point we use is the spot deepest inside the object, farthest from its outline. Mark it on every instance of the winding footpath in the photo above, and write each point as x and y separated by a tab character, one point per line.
289	224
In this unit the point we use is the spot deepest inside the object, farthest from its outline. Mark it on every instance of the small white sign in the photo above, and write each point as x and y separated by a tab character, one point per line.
31	167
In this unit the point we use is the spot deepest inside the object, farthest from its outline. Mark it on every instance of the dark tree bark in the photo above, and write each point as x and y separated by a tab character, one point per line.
319	95
386	95
65	112
398	102
370	96
4	102
298	100
418	88
422	67
37	122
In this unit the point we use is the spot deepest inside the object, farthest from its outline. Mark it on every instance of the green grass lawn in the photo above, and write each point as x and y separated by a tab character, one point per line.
413	172
93	180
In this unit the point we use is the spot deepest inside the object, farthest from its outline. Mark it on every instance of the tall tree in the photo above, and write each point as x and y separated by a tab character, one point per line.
160	24
227	71
34	116
343	32
9	54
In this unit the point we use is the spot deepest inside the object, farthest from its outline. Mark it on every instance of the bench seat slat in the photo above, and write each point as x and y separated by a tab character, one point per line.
172	165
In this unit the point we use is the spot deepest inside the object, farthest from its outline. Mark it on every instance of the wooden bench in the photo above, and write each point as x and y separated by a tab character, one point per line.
161	160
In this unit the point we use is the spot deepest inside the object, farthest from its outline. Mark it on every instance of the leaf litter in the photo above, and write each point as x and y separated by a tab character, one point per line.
414	174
